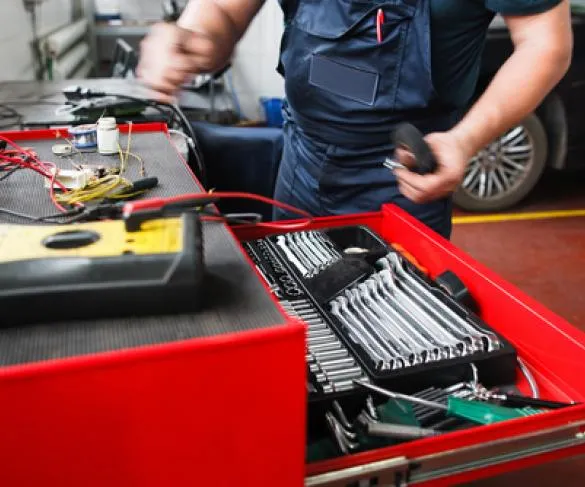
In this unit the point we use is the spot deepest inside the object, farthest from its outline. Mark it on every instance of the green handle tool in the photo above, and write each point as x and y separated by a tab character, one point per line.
473	411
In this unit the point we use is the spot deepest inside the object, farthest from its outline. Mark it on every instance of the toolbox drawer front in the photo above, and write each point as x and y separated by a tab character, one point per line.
177	414
552	349
462	464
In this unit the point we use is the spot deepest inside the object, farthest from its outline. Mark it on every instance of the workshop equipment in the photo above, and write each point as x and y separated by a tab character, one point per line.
407	137
424	273
473	411
100	269
372	315
143	388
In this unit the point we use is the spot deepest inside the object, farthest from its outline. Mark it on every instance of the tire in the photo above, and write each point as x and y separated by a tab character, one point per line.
493	180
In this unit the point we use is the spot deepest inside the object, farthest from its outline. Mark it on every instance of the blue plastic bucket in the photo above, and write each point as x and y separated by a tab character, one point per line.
272	111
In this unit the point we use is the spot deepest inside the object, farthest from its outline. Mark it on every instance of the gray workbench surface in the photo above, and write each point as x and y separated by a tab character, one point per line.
234	299
39	100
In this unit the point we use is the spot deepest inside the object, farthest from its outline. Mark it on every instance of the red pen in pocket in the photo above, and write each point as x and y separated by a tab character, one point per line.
379	22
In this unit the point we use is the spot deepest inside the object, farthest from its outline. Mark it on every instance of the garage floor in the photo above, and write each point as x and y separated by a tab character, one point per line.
539	247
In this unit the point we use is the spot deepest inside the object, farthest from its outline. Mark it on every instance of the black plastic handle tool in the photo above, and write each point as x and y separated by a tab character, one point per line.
513	400
408	137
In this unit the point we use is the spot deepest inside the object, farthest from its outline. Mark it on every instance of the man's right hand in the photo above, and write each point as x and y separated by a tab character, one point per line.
170	55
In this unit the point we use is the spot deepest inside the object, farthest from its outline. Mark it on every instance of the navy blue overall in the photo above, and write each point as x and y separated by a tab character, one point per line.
345	92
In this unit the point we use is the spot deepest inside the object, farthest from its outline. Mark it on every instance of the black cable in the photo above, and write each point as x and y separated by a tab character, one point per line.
200	170
143	102
202	176
11	114
40	219
9	172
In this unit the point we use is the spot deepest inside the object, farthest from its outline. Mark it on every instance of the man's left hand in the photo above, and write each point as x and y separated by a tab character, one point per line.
452	158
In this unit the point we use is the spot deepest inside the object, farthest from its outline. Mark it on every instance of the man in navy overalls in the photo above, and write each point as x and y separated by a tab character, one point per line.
354	69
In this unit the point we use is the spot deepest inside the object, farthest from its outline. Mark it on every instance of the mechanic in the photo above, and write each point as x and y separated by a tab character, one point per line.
353	69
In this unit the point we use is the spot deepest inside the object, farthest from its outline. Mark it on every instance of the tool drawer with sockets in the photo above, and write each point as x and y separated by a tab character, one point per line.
422	366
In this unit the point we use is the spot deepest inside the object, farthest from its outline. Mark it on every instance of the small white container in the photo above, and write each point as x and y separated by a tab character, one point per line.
108	136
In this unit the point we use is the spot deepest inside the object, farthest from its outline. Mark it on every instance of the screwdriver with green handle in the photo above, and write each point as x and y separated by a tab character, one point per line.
473	411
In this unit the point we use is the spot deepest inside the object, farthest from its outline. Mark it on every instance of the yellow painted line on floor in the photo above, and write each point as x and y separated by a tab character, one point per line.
507	217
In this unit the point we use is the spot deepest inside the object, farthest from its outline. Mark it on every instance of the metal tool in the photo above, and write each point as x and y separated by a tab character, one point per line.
468	410
392	164
397	343
395	431
340	374
360	336
455	343
312	340
436	350
345	440
327	354
283	245
436	307
425	351
336	364
310	252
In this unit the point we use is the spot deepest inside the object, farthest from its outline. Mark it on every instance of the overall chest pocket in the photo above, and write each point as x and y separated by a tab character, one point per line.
340	57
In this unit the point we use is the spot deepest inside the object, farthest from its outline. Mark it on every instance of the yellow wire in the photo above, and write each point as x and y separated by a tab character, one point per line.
99	188
96	189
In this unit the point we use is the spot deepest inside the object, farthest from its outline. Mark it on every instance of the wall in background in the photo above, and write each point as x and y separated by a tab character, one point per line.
254	66
256	57
254	70
16	55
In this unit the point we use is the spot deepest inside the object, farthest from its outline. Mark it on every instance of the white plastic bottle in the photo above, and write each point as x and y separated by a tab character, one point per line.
108	136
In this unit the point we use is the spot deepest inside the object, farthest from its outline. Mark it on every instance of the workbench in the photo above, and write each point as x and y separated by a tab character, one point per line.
123	390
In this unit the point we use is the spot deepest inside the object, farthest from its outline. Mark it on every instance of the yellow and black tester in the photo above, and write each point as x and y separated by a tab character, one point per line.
100	269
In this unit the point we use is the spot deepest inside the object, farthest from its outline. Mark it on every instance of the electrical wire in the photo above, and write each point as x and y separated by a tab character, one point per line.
9	172
94	190
182	201
27	159
9	114
42	219
184	122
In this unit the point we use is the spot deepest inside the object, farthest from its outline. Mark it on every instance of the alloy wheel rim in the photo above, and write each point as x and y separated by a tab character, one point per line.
501	167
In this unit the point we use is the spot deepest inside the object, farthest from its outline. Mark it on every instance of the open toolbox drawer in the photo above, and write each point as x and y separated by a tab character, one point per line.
552	350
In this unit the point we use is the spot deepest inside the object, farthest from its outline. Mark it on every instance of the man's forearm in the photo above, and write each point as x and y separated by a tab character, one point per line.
224	19
521	84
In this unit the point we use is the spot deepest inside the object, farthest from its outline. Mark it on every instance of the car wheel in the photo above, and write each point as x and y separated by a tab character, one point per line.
505	171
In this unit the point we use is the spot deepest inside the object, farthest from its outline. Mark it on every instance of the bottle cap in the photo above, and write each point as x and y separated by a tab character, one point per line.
107	123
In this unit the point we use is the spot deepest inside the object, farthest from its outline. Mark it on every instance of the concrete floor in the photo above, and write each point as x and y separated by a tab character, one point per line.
545	257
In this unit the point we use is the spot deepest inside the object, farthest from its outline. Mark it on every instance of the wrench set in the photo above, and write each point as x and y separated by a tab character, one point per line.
310	252
399	323
332	368
330	364
373	316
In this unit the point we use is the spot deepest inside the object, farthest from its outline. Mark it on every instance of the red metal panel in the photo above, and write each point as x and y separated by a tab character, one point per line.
57	133
222	411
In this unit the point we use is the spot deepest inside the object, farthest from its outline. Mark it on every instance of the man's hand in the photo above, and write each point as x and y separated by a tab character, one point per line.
543	45
202	42
170	54
452	158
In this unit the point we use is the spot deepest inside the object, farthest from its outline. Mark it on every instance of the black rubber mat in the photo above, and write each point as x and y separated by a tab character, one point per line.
235	300
23	191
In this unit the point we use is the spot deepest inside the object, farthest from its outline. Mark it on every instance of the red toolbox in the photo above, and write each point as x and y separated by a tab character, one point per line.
177	400
222	399
551	348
